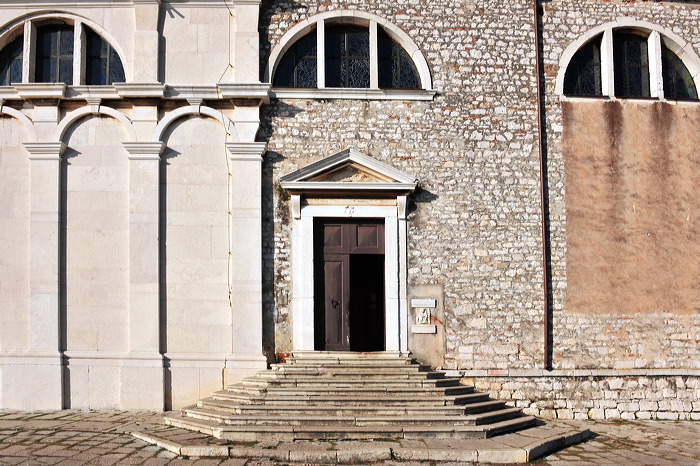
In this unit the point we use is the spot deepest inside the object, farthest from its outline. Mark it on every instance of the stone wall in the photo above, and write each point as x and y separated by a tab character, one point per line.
654	395
474	222
474	227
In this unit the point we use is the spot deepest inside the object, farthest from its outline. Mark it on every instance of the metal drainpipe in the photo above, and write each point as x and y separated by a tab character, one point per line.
543	173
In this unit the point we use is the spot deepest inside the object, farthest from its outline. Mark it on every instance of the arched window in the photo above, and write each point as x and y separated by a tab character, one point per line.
11	62
353	52
57	47
628	63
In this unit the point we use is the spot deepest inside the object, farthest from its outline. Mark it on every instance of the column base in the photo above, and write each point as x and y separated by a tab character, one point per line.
31	381
142	382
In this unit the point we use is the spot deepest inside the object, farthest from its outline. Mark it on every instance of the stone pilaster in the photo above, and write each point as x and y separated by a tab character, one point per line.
45	389
246	257
142	373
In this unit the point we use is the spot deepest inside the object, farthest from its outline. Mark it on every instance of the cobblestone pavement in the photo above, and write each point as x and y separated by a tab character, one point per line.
102	437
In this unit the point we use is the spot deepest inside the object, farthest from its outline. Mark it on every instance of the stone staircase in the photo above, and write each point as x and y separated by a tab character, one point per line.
337	395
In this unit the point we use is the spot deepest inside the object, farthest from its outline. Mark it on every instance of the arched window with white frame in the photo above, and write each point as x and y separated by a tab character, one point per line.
630	59
348	50
59	49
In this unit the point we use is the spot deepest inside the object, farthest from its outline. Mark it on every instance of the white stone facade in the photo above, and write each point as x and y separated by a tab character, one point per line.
152	250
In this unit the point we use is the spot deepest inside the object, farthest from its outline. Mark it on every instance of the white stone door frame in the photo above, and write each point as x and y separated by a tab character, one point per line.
396	304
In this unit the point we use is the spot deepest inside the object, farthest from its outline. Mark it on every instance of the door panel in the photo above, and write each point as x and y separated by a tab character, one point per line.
336	302
349	285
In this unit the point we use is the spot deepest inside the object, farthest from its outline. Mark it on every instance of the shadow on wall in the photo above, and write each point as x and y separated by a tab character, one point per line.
275	204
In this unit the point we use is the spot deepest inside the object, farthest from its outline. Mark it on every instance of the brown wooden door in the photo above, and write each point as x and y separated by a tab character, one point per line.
349	309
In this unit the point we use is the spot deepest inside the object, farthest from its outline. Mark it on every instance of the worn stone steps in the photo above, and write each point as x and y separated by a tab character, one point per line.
297	432
341	382
349	396
342	410
350	391
345	420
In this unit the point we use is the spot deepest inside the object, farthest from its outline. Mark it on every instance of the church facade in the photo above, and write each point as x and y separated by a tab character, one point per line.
191	190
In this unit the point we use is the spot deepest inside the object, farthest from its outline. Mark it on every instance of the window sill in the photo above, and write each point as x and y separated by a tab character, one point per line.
355	94
592	98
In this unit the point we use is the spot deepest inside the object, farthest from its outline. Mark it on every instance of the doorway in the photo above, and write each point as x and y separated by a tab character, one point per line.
349	270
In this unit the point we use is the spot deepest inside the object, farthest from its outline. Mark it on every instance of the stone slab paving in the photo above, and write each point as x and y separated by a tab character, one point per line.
106	438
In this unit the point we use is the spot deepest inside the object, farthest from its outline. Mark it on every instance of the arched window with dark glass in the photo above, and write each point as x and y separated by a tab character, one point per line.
54	58
11	62
631	58
678	82
396	68
103	65
298	66
583	75
347	56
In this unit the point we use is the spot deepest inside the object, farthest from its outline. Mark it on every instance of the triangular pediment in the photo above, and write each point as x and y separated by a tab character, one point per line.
348	169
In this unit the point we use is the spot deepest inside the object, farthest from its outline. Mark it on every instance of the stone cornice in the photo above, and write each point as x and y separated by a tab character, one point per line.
40	90
45	150
246	151
144	150
245	91
140	89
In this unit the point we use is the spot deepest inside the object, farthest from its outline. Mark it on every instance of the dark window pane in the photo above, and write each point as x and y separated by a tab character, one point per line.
631	59
103	65
333	72
583	73
358	42
11	62
66	44
65	71
678	82
358	73
298	65
396	68
116	69
347	56
54	61
16	71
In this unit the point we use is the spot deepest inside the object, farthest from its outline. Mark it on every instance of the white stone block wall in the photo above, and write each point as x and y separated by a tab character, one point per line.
14	243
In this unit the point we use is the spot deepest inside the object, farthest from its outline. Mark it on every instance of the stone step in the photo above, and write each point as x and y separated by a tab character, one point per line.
362	420
347	357
321	381
352	400
350	391
354	374
293	432
356	368
341	410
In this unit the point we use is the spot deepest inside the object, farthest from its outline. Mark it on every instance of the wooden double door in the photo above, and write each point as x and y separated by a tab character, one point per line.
349	285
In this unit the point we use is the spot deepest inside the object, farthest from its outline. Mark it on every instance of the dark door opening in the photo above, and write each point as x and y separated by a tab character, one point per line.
349	285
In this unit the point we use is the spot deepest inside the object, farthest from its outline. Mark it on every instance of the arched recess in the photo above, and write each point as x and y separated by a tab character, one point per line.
352	17
14	28
76	115
673	41
28	125
193	110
